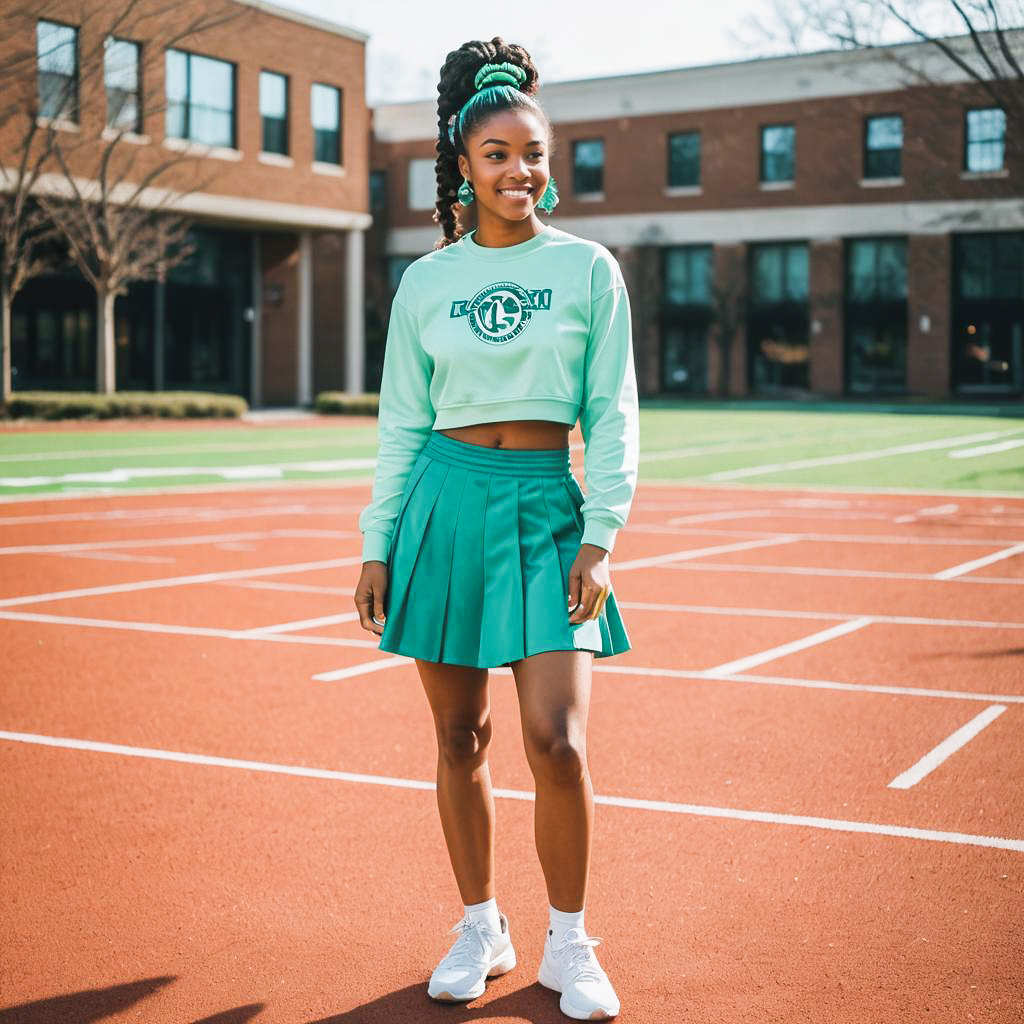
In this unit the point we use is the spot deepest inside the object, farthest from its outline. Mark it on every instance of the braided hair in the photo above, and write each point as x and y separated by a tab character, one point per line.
455	87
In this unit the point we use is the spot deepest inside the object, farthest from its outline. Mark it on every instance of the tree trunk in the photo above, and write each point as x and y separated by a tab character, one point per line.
5	335
106	368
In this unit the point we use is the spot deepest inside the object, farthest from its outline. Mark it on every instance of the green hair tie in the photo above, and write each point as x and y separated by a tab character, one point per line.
499	74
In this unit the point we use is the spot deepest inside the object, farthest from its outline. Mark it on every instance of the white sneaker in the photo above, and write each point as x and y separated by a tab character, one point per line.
573	970
478	953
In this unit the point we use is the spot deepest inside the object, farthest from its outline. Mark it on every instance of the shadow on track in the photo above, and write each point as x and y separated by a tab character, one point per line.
84	1007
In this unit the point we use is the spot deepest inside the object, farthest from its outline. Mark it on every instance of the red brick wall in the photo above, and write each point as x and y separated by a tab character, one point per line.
826	316
280	257
929	287
254	41
328	312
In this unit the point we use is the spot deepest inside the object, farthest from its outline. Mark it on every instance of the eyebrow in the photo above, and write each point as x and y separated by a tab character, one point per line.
502	142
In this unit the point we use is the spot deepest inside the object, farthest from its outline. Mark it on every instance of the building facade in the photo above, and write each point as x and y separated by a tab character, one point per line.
805	225
260	124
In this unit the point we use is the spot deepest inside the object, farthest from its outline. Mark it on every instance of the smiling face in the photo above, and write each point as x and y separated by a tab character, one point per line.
507	164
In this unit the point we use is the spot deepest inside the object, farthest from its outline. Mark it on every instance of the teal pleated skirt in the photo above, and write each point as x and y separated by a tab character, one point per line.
478	569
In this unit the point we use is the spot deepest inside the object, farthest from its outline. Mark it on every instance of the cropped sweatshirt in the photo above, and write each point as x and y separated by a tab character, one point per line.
534	331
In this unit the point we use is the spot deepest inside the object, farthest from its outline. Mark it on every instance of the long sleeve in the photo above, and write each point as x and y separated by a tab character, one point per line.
404	422
609	418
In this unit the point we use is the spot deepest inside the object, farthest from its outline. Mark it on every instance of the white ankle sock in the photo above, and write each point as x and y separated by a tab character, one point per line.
485	913
561	921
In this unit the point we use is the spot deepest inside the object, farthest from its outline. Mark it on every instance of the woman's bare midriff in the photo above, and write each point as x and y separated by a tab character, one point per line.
513	434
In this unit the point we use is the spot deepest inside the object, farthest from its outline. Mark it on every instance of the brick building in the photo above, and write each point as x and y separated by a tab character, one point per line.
795	225
269	106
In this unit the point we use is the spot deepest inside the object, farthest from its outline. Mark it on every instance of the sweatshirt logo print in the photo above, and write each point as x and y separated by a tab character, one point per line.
501	311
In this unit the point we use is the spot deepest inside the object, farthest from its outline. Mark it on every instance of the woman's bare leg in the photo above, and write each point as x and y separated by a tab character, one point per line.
460	704
554	703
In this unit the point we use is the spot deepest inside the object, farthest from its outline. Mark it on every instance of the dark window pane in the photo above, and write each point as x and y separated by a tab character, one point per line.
200	99
883	146
274	112
588	166
326	115
378	190
986	134
121	77
684	158
688	275
57	70
778	143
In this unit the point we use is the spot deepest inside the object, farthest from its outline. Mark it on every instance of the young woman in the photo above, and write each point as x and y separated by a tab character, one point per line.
479	548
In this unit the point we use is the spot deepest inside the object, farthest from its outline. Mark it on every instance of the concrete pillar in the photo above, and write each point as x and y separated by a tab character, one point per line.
304	376
355	314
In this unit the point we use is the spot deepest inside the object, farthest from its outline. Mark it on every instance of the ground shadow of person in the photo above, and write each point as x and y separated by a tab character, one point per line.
84	1007
532	1003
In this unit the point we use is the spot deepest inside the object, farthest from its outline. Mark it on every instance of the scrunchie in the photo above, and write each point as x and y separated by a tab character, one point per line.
488	77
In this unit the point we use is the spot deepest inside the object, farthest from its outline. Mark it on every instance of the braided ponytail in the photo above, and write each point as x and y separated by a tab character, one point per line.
453	90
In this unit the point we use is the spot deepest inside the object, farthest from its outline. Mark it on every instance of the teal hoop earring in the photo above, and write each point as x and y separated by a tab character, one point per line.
549	198
466	195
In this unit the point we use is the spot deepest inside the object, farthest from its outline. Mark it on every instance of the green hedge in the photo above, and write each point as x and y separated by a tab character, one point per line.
60	405
347	404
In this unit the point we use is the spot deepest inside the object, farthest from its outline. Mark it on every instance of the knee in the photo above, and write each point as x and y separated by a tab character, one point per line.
462	743
559	759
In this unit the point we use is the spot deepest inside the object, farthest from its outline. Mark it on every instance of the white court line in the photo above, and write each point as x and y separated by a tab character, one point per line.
985	449
654	672
773	653
978	563
663	806
862	456
362	669
947	747
180	581
299	624
789	613
871	574
717	549
844	538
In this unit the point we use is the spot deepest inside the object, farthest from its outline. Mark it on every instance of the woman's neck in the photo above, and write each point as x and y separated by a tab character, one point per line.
496	232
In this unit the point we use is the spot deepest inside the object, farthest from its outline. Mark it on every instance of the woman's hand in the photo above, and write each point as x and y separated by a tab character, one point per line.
369	596
589	583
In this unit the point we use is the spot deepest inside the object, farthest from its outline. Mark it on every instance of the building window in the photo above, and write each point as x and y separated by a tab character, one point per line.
121	78
876	316
778	152
200	99
326	106
683	159
274	113
687	315
778	327
422	193
57	70
378	191
588	167
883	146
986	136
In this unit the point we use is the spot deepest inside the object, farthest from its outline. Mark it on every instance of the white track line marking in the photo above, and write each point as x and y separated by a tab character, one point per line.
663	806
260	446
299	588
110	556
828	538
932	510
862	456
654	673
788	613
717	549
174	630
871	574
978	563
292	627
166	542
362	669
731	513
986	449
947	747
125	474
773	653
180	581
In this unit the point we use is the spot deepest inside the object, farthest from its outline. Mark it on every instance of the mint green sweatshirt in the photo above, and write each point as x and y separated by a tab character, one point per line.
535	331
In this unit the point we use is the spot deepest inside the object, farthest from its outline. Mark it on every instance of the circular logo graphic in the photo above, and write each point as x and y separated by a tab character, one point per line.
499	312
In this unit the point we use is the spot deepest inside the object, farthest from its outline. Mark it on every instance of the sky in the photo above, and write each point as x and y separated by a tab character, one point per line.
568	39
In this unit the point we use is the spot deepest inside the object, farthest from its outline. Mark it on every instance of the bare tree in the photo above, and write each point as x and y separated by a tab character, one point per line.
114	197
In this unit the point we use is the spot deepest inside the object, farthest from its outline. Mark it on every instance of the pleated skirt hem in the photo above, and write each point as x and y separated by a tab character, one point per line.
478	569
